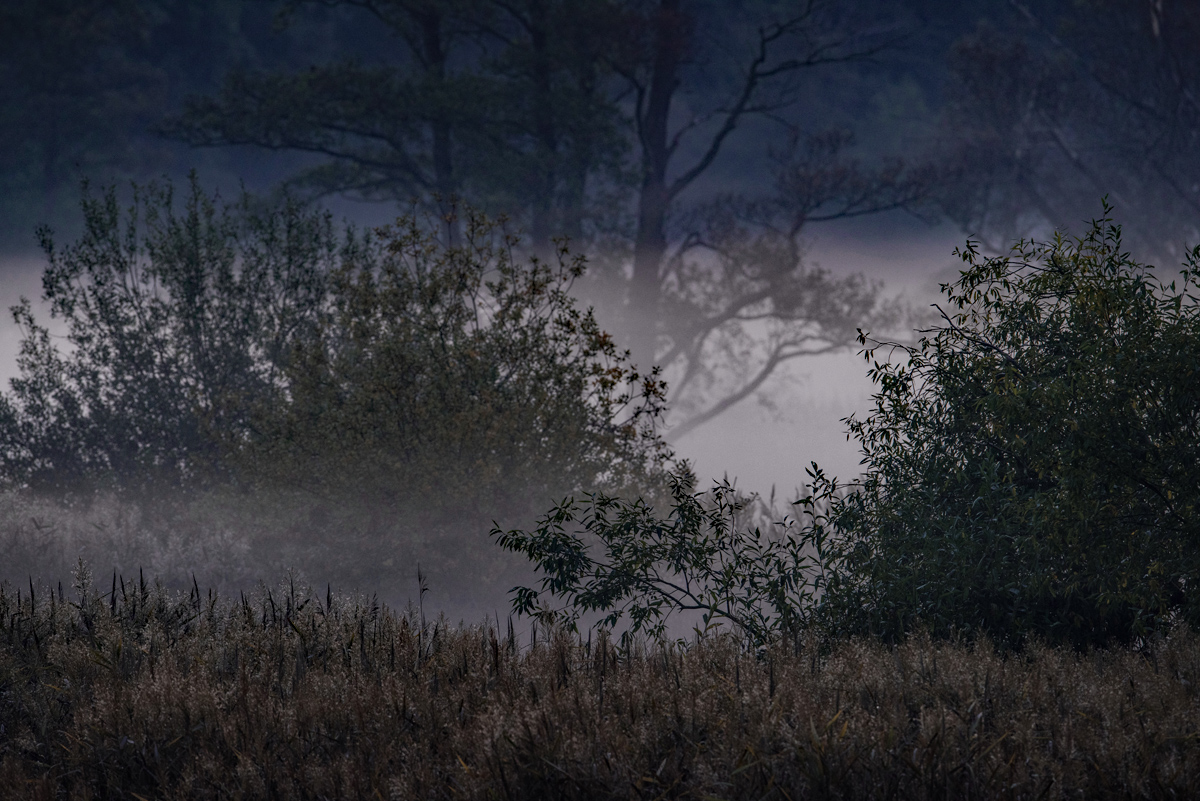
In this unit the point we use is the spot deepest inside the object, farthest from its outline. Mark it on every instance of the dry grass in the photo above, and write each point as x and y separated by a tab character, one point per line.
288	694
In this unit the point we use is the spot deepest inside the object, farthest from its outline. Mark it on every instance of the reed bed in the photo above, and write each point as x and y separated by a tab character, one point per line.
129	691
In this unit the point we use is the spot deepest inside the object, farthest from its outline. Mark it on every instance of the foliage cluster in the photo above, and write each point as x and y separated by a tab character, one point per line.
1032	461
293	694
174	319
463	373
1031	471
394	385
706	556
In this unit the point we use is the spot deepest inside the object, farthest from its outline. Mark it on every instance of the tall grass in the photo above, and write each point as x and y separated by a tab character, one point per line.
129	691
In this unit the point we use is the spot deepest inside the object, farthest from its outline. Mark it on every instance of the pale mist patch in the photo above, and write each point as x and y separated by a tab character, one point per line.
765	446
235	544
770	440
20	276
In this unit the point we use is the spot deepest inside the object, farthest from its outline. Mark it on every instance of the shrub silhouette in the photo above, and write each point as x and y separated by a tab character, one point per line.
1033	463
639	567
170	314
459	385
389	385
1032	469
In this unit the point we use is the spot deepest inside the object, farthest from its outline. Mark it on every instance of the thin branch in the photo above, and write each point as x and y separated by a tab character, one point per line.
755	74
765	372
979	341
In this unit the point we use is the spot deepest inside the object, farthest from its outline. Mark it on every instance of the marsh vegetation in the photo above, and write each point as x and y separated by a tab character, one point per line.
124	690
452	434
1001	606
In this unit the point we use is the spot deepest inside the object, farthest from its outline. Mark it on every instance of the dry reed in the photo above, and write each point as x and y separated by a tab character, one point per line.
132	692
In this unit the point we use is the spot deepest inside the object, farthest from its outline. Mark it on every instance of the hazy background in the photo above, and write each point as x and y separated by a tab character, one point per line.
914	125
761	445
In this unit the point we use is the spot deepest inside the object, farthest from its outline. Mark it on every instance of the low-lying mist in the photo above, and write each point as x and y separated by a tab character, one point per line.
233	540
232	543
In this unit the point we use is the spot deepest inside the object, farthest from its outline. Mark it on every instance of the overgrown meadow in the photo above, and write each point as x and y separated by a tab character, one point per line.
287	693
1002	605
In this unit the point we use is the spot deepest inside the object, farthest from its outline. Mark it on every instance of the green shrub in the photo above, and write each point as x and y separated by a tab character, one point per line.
1033	463
374	397
761	577
170	315
1032	469
458	381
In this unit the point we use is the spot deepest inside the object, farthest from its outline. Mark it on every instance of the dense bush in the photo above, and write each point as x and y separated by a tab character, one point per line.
173	318
1033	463
717	554
1032	469
455	379
378	395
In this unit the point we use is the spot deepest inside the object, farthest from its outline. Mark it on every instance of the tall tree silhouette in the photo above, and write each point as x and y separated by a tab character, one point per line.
601	120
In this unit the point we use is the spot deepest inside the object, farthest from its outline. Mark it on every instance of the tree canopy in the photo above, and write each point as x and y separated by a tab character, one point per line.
1070	101
601	120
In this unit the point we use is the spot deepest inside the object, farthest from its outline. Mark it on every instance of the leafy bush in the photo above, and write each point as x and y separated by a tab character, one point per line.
387	386
1033	463
760	576
174	319
453	380
1033	468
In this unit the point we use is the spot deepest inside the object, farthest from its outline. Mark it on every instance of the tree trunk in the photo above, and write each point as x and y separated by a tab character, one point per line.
650	244
582	138
545	132
440	126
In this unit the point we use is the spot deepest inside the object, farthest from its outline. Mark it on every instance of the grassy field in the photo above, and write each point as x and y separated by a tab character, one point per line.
127	691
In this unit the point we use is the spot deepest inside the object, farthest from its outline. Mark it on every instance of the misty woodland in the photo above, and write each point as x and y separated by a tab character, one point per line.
296	503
